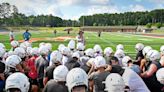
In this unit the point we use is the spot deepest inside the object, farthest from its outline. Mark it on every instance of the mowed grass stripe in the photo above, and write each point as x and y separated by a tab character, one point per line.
106	40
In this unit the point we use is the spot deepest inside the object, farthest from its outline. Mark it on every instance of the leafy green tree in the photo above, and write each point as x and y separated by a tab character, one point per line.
158	25
148	25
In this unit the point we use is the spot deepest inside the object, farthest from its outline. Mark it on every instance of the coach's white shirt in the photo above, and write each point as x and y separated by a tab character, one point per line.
134	81
11	35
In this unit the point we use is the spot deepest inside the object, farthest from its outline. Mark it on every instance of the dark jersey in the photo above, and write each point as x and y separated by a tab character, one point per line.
85	68
49	72
98	78
151	82
139	55
53	86
72	64
41	65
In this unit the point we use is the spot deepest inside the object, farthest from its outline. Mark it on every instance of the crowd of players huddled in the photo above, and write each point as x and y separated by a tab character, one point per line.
74	68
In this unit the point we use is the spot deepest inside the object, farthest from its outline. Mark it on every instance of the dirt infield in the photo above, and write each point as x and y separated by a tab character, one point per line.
62	38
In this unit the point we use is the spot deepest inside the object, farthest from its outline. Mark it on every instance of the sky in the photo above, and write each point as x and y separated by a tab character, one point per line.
73	9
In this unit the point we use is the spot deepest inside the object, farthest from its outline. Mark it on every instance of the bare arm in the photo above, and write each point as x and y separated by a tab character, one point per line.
150	72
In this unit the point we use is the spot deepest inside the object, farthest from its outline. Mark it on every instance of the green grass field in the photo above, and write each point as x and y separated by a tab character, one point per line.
106	40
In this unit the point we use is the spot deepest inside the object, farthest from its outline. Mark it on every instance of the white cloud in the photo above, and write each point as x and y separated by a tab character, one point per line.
35	7
100	2
159	6
82	2
135	8
97	10
54	10
69	2
95	7
86	7
102	9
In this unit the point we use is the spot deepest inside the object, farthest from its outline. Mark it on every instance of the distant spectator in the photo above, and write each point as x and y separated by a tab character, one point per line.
55	32
99	33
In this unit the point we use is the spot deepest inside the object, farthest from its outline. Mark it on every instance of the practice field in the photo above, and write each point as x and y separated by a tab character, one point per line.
106	40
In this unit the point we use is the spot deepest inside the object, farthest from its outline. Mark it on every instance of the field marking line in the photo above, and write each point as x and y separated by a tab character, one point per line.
144	39
104	40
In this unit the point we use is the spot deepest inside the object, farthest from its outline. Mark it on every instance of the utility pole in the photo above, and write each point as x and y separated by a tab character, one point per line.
83	21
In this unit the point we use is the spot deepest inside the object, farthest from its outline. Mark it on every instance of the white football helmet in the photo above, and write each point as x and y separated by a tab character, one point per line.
22	45
155	56
17	80
108	51
9	53
60	47
114	83
119	53
149	54
99	62
56	56
20	52
125	61
76	54
89	52
2	52
160	75
28	50
60	73
12	61
66	51
80	46
25	45
41	44
43	50
35	51
146	50
120	46
76	77
14	44
97	48
28	44
162	49
49	46
71	44
91	61
2	46
139	46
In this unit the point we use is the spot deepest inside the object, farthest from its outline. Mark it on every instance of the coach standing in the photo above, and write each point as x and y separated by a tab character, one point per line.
26	35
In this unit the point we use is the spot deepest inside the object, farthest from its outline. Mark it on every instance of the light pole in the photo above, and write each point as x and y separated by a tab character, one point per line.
83	21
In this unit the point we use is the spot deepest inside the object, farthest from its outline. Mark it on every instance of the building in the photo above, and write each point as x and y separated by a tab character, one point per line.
109	28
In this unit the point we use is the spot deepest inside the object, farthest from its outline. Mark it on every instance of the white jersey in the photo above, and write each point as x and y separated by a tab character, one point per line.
134	81
79	39
64	60
120	61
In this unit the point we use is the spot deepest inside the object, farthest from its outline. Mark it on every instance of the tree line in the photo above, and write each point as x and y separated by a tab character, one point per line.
10	16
